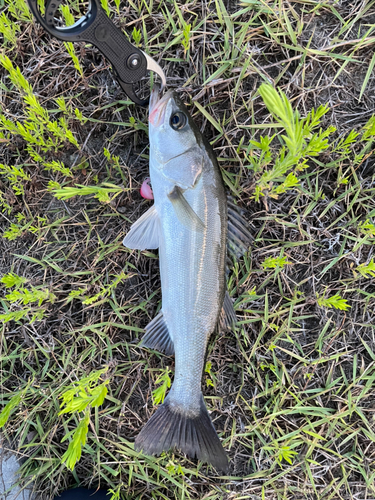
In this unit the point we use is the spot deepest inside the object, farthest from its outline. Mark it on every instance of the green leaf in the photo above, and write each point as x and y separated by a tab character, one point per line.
136	35
285	453
87	395
79	403
101	192
367	77
74	451
314	434
335	301
367	269
98	395
280	107
11	279
26	296
15	315
290	182
369	129
5	414
367	227
159	393
275	262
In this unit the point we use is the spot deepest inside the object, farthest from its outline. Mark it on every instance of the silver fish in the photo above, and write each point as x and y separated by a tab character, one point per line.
188	223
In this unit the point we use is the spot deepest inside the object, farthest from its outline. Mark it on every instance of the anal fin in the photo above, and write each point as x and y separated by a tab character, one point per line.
157	336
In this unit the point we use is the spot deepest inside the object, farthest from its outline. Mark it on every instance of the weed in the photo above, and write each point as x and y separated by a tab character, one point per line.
116	492
19	10
11	280
159	393
78	114
335	301
58	166
8	408
104	292
37	130
105	6
4	205
33	297
300	143
9	30
25	296
210	378
15	176
114	160
101	192
367	228
285	453
292	377
68	110
282	452
136	35
186	36
32	225
69	21
78	441
366	270
275	262
90	395
117	3
175	469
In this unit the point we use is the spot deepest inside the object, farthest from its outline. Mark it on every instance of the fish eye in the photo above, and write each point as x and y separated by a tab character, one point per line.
178	120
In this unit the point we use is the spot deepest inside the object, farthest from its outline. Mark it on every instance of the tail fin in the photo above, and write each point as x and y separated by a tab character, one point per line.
169	427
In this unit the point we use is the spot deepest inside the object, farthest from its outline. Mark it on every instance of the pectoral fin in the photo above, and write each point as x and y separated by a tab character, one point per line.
145	232
183	210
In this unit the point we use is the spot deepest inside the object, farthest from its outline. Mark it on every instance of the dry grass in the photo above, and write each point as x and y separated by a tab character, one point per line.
294	376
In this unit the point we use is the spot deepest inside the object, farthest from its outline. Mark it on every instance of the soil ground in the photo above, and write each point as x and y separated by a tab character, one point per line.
294	376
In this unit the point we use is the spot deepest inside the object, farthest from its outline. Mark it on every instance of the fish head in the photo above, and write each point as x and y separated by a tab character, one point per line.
172	131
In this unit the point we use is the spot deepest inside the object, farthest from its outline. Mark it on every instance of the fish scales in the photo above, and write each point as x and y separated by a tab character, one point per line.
188	224
192	278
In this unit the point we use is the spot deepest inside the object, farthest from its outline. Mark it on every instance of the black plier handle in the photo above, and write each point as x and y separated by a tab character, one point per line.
129	63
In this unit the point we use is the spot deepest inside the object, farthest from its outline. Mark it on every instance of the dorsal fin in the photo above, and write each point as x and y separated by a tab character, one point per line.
239	237
227	318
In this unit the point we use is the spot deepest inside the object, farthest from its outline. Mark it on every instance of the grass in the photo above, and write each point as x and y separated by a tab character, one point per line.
292	389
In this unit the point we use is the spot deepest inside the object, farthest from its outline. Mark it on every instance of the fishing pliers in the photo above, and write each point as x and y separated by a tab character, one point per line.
129	63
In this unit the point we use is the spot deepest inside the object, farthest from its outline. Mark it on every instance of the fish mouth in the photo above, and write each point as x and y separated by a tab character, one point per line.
158	105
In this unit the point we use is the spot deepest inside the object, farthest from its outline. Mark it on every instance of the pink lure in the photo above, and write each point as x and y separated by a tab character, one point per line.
146	189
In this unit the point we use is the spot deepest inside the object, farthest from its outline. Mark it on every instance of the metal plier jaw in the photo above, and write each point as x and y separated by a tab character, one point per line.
128	62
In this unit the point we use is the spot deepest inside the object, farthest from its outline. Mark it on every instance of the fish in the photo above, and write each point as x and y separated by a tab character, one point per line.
189	223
